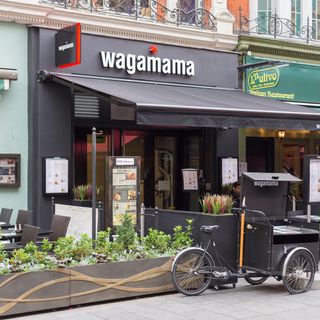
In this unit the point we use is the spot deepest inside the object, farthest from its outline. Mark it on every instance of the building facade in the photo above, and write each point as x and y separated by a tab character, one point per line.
14	116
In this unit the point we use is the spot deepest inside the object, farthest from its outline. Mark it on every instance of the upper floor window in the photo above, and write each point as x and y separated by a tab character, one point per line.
296	14
264	14
316	19
187	11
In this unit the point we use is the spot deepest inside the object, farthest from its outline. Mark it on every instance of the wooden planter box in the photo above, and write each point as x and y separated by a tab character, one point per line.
44	290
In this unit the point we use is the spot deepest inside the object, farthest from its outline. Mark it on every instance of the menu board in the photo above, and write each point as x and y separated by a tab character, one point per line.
314	180
229	168
124	192
9	170
56	176
190	179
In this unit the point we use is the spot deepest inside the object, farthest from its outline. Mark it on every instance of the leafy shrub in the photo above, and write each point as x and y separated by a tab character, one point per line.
182	238
126	234
67	251
157	241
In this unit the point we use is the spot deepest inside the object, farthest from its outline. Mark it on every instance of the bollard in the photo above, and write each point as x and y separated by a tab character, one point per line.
53	206
142	220
156	218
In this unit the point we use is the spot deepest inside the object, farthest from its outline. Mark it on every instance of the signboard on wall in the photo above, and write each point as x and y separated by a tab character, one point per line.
56	176
311	174
10	170
229	170
190	179
68	46
122	189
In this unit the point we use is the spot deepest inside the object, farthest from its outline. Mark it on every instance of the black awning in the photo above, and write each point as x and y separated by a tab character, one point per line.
181	105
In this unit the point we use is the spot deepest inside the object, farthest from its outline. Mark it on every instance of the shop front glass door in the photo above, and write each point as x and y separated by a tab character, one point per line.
164	166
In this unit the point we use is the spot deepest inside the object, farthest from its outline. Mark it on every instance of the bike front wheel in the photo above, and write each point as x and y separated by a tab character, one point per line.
192	272
298	271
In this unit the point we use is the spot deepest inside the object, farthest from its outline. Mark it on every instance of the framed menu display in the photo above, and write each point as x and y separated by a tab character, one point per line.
229	170
10	170
123	189
311	174
56	176
190	179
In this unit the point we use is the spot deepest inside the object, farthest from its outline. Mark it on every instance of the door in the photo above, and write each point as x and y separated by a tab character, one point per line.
164	171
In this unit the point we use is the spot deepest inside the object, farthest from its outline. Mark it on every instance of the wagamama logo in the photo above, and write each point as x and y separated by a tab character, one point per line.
132	63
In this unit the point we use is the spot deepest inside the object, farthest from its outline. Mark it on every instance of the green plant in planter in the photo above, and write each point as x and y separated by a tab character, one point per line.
216	204
157	242
126	234
182	238
84	192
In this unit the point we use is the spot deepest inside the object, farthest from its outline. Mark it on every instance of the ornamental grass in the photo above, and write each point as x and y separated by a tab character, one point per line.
216	204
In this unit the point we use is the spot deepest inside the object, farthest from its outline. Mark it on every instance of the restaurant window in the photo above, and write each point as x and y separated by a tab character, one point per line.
133	145
103	149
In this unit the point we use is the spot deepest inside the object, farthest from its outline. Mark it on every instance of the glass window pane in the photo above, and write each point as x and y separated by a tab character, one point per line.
298	6
262	5
298	22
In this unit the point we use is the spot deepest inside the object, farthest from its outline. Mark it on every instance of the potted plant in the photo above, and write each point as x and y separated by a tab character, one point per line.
216	204
82	195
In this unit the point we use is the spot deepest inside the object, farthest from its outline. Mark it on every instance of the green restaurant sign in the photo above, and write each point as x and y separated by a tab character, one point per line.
263	78
290	82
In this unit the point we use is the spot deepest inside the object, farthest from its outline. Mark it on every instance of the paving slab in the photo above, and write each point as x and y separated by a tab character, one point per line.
268	301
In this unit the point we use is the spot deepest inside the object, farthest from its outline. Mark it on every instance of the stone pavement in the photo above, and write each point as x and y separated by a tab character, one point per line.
268	301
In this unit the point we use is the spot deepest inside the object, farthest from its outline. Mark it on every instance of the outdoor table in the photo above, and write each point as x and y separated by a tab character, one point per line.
14	236
4	225
10	235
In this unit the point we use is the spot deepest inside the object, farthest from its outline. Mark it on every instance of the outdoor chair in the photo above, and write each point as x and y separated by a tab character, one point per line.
59	227
24	217
5	215
29	233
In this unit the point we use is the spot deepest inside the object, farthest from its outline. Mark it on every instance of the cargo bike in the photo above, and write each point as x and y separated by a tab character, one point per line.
270	244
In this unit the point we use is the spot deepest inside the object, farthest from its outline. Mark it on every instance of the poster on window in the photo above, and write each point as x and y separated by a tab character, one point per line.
56	176
314	180
124	186
229	170
9	170
190	179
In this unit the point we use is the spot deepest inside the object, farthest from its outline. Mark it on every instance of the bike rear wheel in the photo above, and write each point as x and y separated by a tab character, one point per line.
192	272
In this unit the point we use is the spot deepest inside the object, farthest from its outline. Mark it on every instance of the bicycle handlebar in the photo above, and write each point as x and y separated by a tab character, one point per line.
252	211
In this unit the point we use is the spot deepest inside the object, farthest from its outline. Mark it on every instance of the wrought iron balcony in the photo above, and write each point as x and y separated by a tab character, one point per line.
152	10
275	26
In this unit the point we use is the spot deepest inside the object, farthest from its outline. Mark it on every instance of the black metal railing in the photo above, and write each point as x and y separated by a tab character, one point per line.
152	10
275	26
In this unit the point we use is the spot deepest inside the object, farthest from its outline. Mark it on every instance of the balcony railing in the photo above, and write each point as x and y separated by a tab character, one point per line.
275	26
150	10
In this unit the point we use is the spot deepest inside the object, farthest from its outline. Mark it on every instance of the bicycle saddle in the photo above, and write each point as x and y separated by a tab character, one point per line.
209	229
